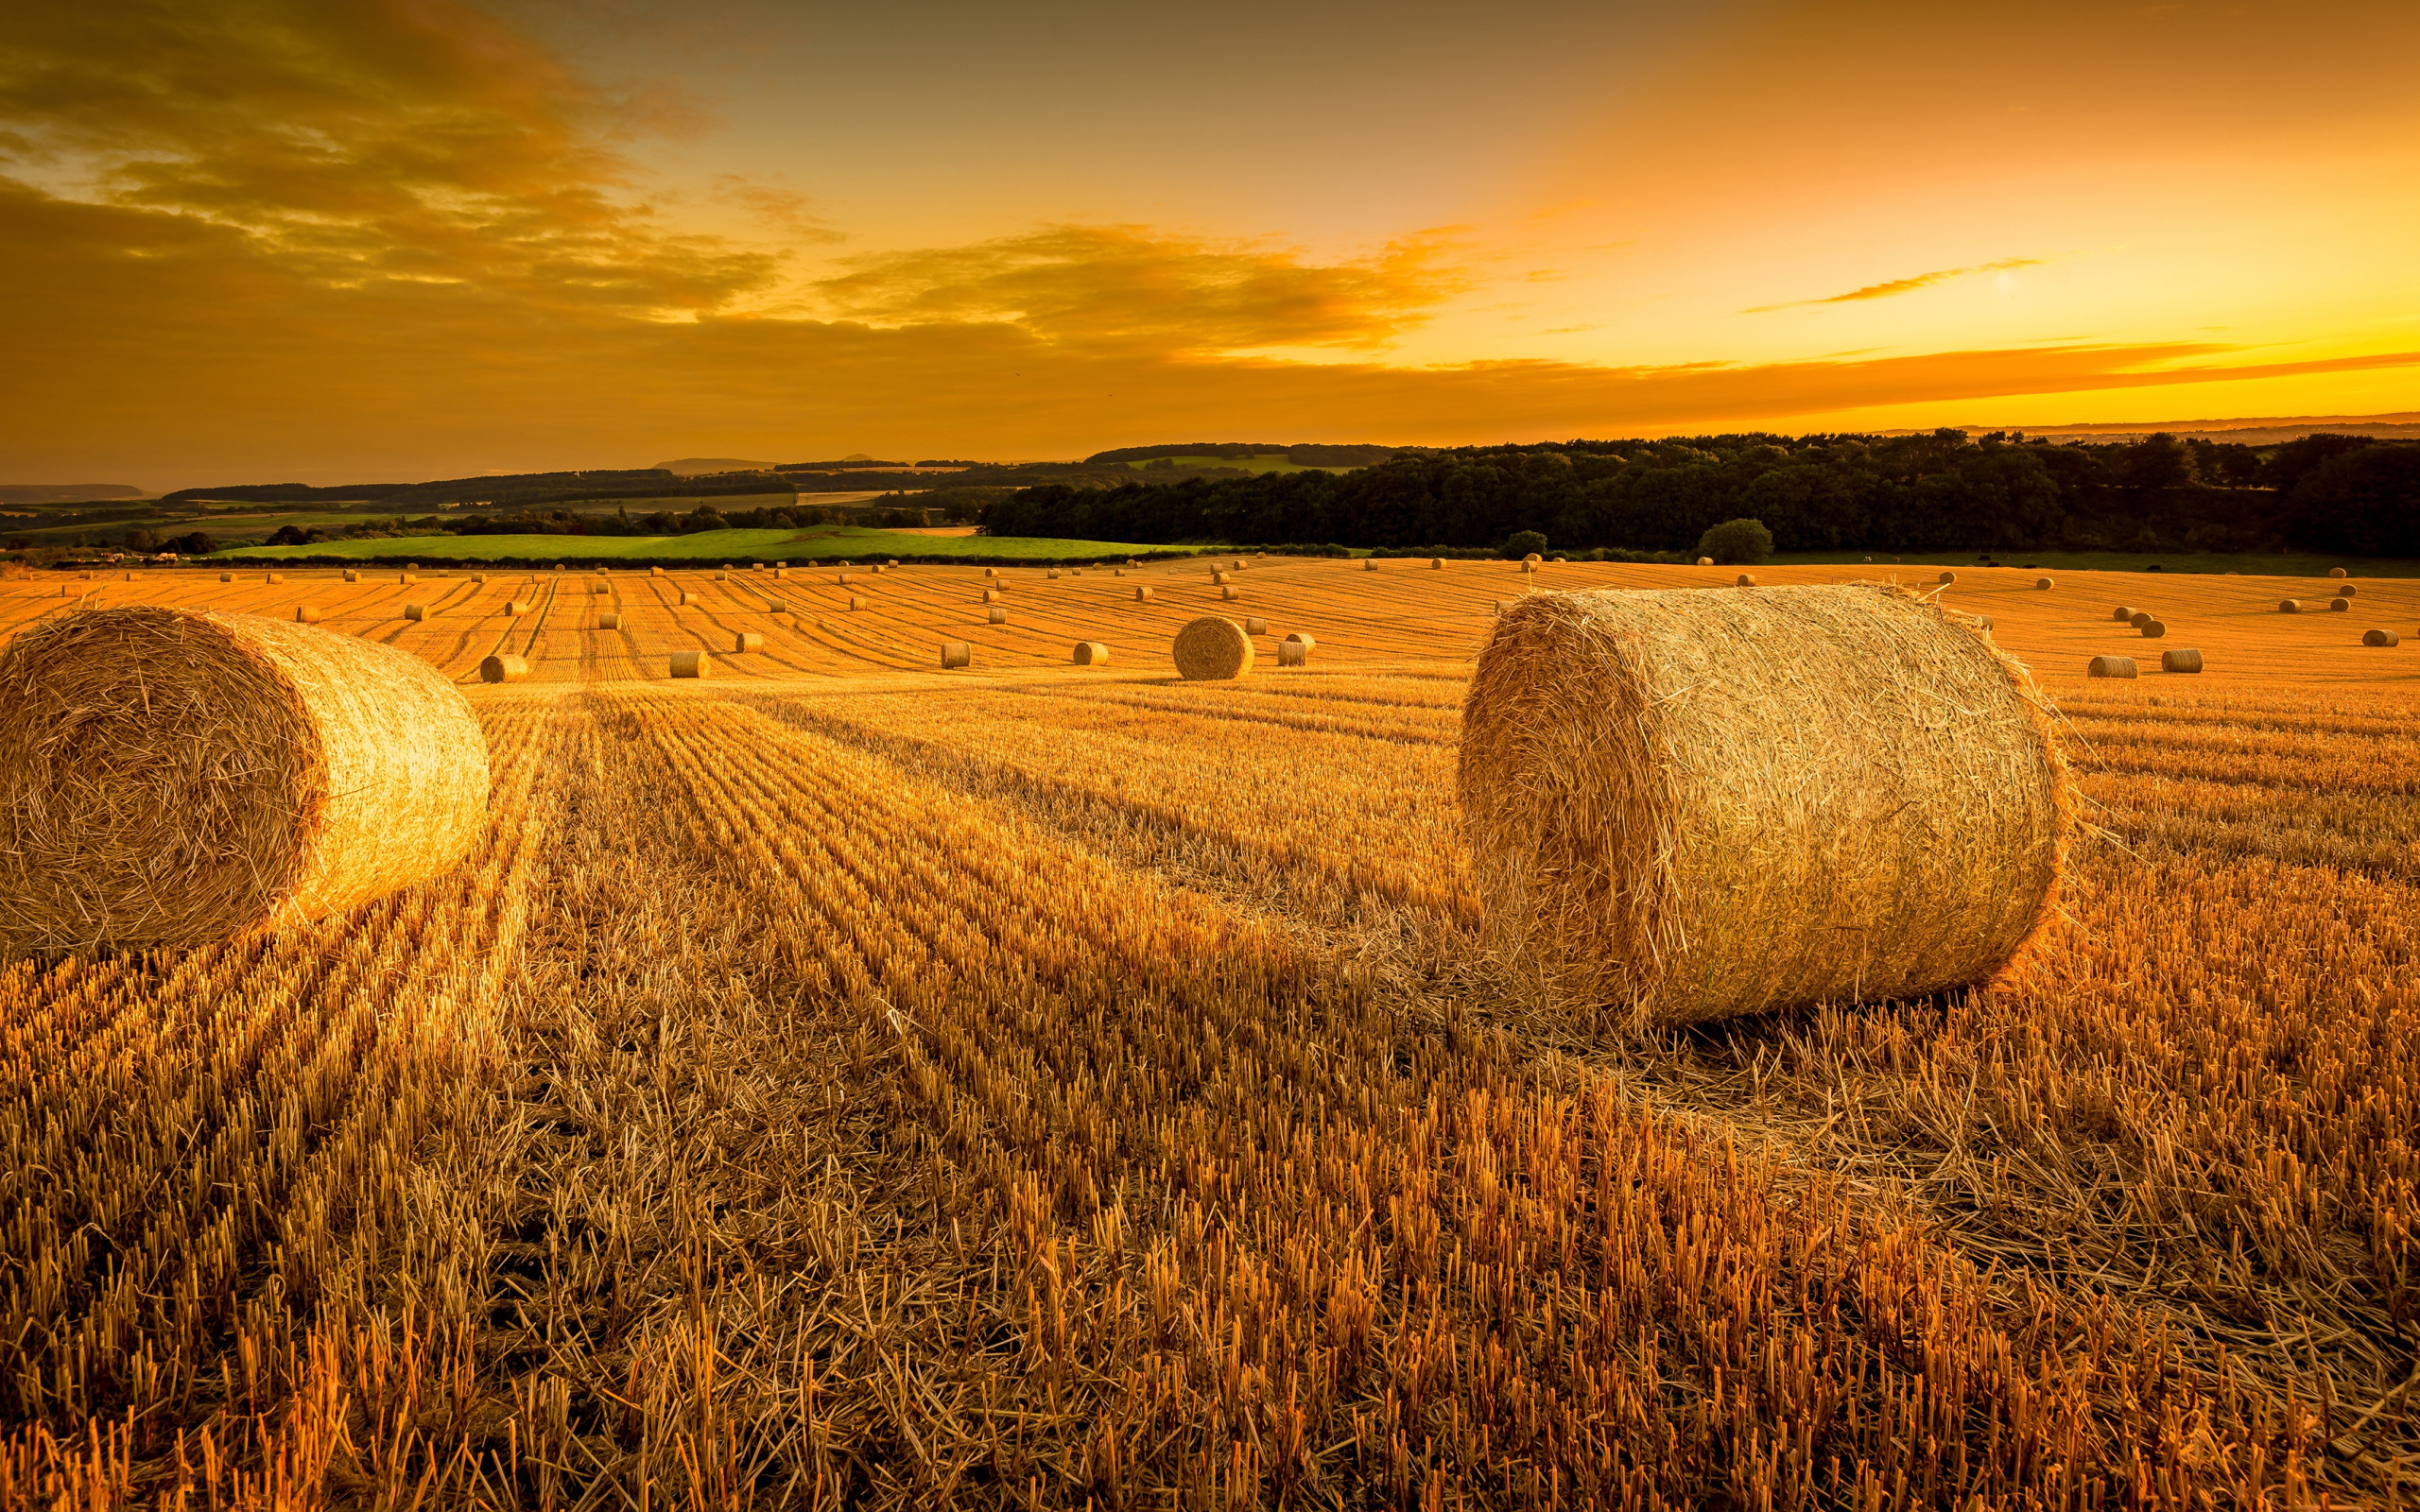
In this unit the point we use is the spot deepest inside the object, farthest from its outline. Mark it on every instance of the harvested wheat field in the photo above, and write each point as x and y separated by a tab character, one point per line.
842	1082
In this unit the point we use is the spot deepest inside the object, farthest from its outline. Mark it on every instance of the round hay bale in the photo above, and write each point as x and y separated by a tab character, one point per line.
1255	624
2152	629
2289	605
895	561
1532	558
478	577
171	778
2043	583
1950	578
2345	591
777	606
519	606
1307	643
350	576
1293	654
601	587
1211	648
719	576
407	578
415	611
1368	564
1529	566
1054	572
226	578
1747	581
655	572
685	597
2340	606
2180	661
990	572
1437	564
503	668
1231	591
608	621
839	577
990	594
1706	562
2110	666
1091	654
2123	613
2336	572
306	615
2380	638
1668	818
854	602
1142	596
2139	618
955	654
998	615
1217	577
274	578
692	665
747	641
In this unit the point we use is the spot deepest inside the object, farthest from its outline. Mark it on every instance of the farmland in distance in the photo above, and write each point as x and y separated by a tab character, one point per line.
842	1083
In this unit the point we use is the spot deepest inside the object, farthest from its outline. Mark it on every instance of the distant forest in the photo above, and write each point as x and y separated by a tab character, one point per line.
1943	490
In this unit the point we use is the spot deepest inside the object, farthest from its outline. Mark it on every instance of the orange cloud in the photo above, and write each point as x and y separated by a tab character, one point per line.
1902	285
1131	287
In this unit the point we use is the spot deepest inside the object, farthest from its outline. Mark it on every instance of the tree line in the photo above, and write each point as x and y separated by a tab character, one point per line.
1945	489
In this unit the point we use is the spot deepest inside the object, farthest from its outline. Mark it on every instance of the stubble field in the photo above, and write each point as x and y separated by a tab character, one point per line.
841	1083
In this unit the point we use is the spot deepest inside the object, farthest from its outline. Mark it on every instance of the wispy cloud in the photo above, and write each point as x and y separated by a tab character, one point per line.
1901	285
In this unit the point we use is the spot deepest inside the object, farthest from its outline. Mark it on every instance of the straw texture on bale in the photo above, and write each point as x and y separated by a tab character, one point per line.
692	665
1255	624
171	778
1091	654
2380	638
2340	606
998	615
1532	558
2110	666
608	621
2180	661
415	611
306	614
955	654
1747	579
1307	643
2152	629
1683	806
1211	648
1293	653
2289	605
503	668
746	641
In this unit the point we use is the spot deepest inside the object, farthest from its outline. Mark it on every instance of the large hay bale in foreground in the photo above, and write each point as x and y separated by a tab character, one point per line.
171	777
1211	649
1685	805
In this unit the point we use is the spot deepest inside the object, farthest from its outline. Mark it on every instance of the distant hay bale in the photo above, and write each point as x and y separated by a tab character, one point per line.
406	578
990	572
684	597
306	614
839	577
559	566
2345	591
2110	666
1091	654
608	621
1054	573
2336	572
990	595
756	566
719	576
1668	818
2380	638
2180	661
171	778
1231	591
2139	618
2152	629
1558	560
601	587
1142	596
415	611
854	602
998	615
1212	649
503	668
1983	623
1747	581
692	665
1368	564
1293	654
1255	624
350	576
746	641
274	578
777	606
1532	558
1529	566
2124	613
1217	577
2340	606
1437	564
2289	605
517	607
1307	643
893	563
1706	562
2043	583
1948	577
478	577
1117	572
226	578
655	572
779	573
955	654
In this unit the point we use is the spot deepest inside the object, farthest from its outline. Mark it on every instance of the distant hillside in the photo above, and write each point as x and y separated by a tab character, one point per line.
2400	425
66	493
692	466
1307	455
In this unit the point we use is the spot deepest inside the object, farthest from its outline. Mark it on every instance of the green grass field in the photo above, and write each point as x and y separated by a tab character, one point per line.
2251	564
815	542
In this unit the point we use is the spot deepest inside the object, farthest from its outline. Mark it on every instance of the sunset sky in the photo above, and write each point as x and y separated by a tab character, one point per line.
372	239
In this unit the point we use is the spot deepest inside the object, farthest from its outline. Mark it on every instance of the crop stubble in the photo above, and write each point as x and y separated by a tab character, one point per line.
823	1088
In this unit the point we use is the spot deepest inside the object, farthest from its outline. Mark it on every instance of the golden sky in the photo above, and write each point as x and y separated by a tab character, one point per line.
347	240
